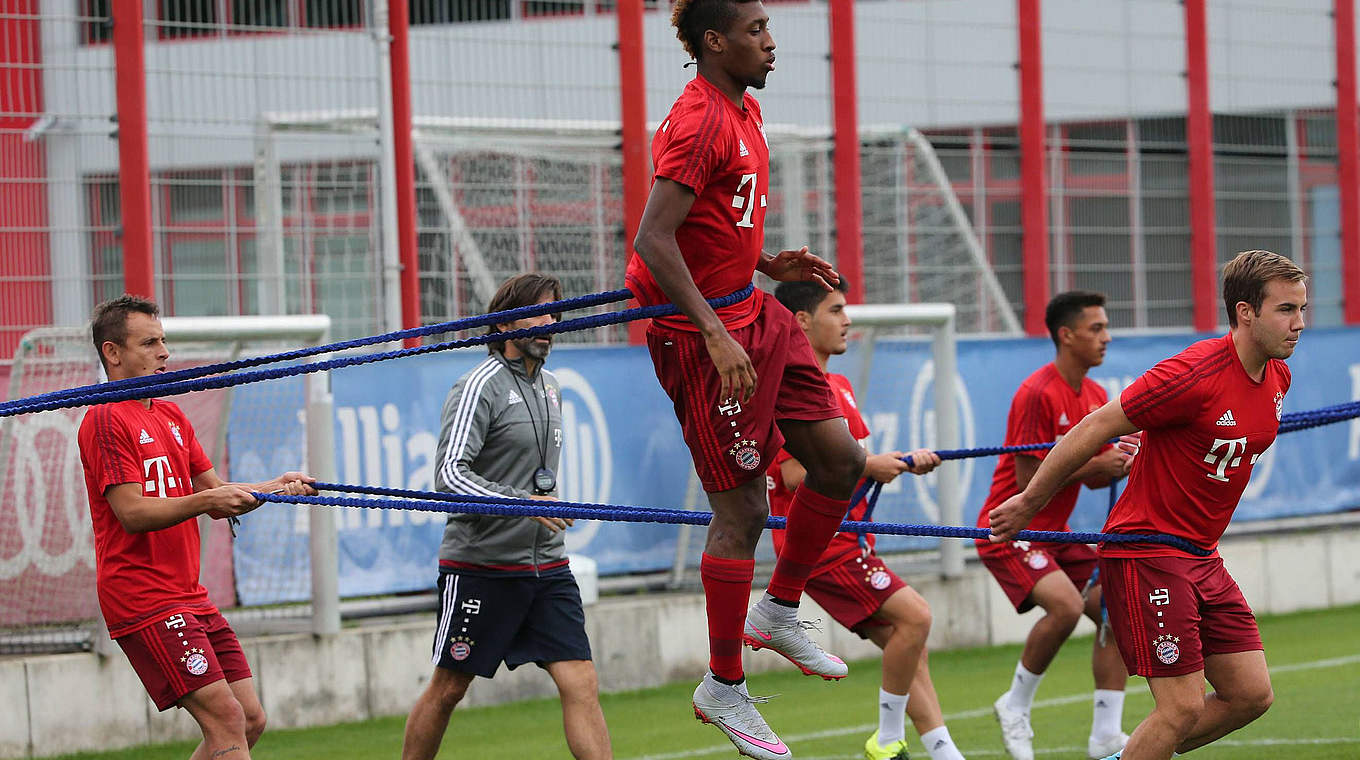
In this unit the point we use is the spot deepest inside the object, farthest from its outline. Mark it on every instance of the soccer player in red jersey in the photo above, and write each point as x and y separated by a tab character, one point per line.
147	478
1207	414
743	380
850	582
1051	575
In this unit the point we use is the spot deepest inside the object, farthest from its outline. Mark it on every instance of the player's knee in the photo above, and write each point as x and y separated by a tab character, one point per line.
1064	610
448	689
1255	703
1180	715
255	723
225	717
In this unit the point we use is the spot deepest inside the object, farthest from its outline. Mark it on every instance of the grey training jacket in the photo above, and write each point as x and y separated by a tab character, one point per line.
490	439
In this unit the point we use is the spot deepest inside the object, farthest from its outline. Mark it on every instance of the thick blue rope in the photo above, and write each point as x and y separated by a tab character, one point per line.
484	320
26	406
433	501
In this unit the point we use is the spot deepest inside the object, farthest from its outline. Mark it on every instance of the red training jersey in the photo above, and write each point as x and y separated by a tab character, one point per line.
718	150
142	577
1205	423
1043	409
842	544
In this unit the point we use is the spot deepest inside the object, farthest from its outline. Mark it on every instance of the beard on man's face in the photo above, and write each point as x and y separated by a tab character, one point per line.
534	348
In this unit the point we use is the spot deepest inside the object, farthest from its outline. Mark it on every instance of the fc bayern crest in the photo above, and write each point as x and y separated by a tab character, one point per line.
195	662
1037	560
174	430
879	579
746	454
1279	405
460	650
1167	650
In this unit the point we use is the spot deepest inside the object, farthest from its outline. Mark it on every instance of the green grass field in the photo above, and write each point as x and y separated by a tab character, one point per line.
1314	659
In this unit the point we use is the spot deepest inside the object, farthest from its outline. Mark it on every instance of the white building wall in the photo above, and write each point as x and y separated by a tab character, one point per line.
924	63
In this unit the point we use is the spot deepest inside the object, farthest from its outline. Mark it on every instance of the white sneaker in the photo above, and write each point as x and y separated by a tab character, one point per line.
1015	730
733	710
791	640
1099	749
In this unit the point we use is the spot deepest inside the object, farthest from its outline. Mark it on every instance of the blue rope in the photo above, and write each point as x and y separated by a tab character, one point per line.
26	406
433	501
484	320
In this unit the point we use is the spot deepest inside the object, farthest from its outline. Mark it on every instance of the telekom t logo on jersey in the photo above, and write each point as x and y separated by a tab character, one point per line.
163	478
1225	453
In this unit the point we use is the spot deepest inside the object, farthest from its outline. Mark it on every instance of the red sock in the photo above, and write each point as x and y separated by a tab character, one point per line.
727	591
813	520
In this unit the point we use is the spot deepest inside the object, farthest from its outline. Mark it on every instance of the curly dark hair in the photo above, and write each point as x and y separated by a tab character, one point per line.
691	18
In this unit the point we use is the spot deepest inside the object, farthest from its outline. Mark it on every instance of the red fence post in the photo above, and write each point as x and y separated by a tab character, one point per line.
633	125
399	26
134	166
845	120
1033	183
1348	158
1199	138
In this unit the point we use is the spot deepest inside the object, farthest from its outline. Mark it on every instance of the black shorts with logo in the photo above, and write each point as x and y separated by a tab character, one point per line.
486	620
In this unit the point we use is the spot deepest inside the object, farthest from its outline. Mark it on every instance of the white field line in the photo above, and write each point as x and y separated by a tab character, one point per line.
1135	688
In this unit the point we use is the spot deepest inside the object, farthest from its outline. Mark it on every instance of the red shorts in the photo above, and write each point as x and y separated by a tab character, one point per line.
182	653
733	441
1169	613
853	590
1018	565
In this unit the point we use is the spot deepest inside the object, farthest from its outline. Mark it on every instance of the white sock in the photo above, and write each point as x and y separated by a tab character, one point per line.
776	612
940	745
1023	688
1107	713
892	709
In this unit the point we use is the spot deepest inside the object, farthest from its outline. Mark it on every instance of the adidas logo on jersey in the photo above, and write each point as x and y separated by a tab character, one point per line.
1062	418
1227	420
146	438
513	398
741	148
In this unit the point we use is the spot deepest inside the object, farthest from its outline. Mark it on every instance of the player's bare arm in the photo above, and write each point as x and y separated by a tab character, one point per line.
1098	472
667	207
798	266
1072	452
289	483
139	514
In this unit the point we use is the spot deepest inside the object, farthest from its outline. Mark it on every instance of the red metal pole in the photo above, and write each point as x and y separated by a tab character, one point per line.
398	22
1199	138
134	166
1348	158
1033	183
637	165
845	125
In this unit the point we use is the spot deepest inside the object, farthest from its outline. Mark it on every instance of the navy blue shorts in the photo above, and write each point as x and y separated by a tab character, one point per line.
484	621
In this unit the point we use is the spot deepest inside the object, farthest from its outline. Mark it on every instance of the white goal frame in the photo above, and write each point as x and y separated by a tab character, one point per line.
940	318
294	331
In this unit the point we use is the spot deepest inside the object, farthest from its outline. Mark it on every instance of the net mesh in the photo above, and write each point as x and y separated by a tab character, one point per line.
47	562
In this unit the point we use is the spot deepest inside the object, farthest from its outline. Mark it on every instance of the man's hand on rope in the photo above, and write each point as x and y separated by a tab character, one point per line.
799	266
1010	518
554	524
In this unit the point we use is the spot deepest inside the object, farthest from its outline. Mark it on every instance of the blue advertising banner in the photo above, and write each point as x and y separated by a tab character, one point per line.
622	445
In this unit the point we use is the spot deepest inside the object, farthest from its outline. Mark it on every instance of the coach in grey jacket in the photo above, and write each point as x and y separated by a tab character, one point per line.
506	593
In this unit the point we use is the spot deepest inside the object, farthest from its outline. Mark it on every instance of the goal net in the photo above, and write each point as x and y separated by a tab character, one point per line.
47	567
908	391
499	197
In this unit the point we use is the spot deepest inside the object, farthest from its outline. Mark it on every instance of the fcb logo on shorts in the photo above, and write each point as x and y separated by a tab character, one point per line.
879	579
1036	559
460	649
1166	649
746	455
195	662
